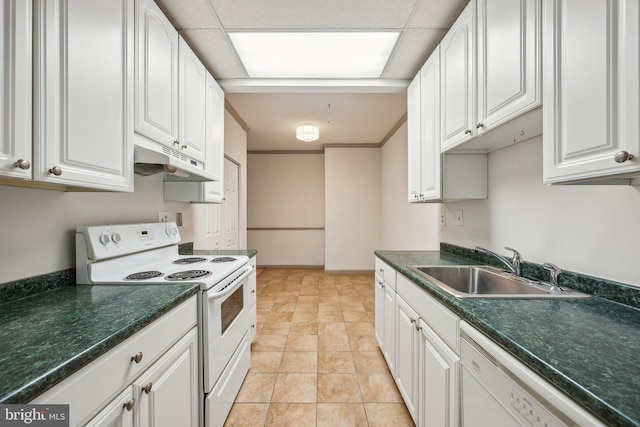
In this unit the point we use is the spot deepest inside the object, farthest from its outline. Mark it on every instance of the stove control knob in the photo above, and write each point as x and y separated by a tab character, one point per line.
104	239
116	238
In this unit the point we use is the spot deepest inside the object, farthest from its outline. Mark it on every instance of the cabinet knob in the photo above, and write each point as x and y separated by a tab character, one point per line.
22	164
56	170
479	125
128	405
467	132
184	146
147	388
622	156
176	142
137	357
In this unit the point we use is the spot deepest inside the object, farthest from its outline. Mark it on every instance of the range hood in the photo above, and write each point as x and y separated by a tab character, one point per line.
151	158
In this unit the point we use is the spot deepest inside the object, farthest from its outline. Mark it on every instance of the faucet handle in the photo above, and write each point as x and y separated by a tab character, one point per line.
554	272
516	254
516	261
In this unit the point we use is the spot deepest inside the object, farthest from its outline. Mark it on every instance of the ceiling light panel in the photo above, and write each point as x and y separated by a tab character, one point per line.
314	55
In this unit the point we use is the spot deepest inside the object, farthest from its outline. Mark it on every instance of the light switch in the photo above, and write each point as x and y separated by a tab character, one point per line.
459	217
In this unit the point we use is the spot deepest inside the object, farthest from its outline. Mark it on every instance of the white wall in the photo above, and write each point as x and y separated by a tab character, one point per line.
352	207
38	226
405	226
589	228
286	208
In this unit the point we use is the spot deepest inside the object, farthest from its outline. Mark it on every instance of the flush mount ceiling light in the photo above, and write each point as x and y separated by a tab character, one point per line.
314	55
307	132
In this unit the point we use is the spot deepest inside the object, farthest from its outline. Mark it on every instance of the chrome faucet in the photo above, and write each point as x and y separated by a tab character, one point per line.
554	272
514	264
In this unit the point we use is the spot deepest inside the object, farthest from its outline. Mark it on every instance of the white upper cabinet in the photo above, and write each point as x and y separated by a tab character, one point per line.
192	104
491	76
591	93
457	102
434	177
83	98
15	94
156	75
508	54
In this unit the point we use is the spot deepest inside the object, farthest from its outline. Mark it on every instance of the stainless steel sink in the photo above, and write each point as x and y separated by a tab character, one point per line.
465	281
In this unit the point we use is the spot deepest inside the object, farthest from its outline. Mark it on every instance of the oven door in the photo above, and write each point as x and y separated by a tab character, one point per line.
226	319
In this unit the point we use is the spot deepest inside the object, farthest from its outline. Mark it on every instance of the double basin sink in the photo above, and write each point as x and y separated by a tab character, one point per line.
466	281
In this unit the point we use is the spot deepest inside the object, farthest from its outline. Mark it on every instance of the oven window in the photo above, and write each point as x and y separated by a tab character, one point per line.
231	307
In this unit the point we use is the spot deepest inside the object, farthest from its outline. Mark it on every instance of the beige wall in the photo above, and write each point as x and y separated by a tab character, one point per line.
38	226
286	208
593	229
352	208
405	226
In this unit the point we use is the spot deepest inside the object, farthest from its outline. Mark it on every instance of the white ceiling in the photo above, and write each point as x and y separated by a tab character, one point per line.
361	112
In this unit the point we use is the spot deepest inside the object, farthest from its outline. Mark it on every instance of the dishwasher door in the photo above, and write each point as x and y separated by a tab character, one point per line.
498	390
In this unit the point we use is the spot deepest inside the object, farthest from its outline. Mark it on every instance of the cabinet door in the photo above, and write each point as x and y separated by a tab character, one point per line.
167	394
389	325
156	75
407	354
457	81
379	310
15	94
192	89
439	373
83	93
414	125
213	190
431	159
118	413
590	116
508	54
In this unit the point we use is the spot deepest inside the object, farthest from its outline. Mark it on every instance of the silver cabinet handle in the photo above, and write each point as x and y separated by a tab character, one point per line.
128	405
184	146
479	125
137	357
147	388
622	156
176	142
56	170
22	164
468	131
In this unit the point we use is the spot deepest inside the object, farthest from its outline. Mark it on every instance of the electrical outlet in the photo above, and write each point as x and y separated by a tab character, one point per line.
163	216
443	219
179	219
459	218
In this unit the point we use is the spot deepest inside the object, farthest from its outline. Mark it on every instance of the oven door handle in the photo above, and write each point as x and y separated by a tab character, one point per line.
216	295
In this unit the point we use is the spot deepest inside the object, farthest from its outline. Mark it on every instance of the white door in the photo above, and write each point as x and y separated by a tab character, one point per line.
509	58
231	204
407	354
457	80
83	93
213	190
192	108
431	159
15	93
167	394
156	75
590	116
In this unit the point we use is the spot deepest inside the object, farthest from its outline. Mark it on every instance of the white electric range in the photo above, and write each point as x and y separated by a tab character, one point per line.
148	254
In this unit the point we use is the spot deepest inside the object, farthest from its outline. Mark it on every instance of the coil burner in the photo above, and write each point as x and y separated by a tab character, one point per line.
190	260
188	275
223	259
144	275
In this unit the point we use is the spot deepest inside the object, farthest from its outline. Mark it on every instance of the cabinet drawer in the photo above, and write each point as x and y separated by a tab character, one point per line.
440	318
100	381
386	272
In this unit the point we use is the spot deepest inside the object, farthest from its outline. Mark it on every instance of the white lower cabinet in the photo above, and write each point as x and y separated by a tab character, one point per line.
439	374
150	379
379	310
389	334
407	353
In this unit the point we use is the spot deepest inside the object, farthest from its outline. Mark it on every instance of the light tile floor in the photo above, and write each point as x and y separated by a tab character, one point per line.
315	360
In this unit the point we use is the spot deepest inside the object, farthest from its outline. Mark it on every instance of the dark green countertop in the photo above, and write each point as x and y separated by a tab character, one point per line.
588	348
46	337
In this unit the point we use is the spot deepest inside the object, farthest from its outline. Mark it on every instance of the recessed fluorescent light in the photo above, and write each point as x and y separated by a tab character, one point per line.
314	55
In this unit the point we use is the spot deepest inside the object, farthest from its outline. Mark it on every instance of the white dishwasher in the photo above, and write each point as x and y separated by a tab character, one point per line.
498	390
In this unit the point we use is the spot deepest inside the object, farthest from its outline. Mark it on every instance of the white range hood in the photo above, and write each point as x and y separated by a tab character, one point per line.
151	158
